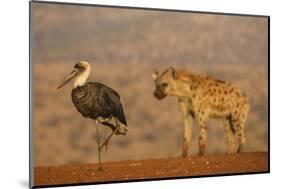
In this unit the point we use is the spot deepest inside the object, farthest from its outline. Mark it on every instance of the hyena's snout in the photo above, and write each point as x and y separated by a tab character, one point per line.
159	94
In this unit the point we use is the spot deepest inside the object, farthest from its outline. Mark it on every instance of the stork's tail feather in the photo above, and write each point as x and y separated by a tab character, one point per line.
123	129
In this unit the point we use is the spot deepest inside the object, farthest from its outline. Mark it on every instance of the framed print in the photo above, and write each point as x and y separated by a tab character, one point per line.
122	94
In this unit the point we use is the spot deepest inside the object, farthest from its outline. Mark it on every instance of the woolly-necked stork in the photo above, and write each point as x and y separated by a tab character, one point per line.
96	101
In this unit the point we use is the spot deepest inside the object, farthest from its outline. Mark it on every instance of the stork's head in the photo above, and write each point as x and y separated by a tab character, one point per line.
80	73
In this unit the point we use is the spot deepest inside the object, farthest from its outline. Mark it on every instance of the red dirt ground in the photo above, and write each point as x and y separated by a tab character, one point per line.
149	169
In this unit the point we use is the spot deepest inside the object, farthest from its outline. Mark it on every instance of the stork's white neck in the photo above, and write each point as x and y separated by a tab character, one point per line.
82	78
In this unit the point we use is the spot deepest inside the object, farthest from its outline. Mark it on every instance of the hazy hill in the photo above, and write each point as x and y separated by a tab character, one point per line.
65	33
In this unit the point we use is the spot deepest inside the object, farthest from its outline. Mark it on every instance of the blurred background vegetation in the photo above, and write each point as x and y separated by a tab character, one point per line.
124	46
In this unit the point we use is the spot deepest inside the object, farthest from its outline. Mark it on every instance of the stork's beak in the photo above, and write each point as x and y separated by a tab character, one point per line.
68	78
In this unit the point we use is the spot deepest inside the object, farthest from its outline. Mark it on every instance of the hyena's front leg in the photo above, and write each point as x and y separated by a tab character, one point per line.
188	125
188	117
202	119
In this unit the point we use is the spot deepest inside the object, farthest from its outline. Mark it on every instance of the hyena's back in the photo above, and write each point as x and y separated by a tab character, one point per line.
221	98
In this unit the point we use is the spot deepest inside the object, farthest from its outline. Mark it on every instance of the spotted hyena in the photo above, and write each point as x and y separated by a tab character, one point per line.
202	97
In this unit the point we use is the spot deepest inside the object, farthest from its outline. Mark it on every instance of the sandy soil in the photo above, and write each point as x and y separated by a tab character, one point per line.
151	169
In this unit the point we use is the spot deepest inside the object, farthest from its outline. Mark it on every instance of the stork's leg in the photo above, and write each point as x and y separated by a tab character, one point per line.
98	143
105	143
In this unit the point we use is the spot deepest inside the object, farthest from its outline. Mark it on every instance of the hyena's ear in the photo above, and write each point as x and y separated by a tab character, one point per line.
174	72
155	74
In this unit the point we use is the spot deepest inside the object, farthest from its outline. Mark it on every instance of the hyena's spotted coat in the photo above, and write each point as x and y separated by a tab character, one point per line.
202	97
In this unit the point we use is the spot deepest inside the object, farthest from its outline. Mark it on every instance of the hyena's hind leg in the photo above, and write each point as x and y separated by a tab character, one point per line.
230	134
239	120
240	135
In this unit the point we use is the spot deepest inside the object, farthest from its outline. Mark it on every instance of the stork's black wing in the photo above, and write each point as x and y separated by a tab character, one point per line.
111	102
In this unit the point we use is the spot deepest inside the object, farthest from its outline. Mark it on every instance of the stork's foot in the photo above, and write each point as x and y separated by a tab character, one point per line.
106	147
104	144
99	168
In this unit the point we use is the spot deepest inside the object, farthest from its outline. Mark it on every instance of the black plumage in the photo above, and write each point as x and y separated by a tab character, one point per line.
96	100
